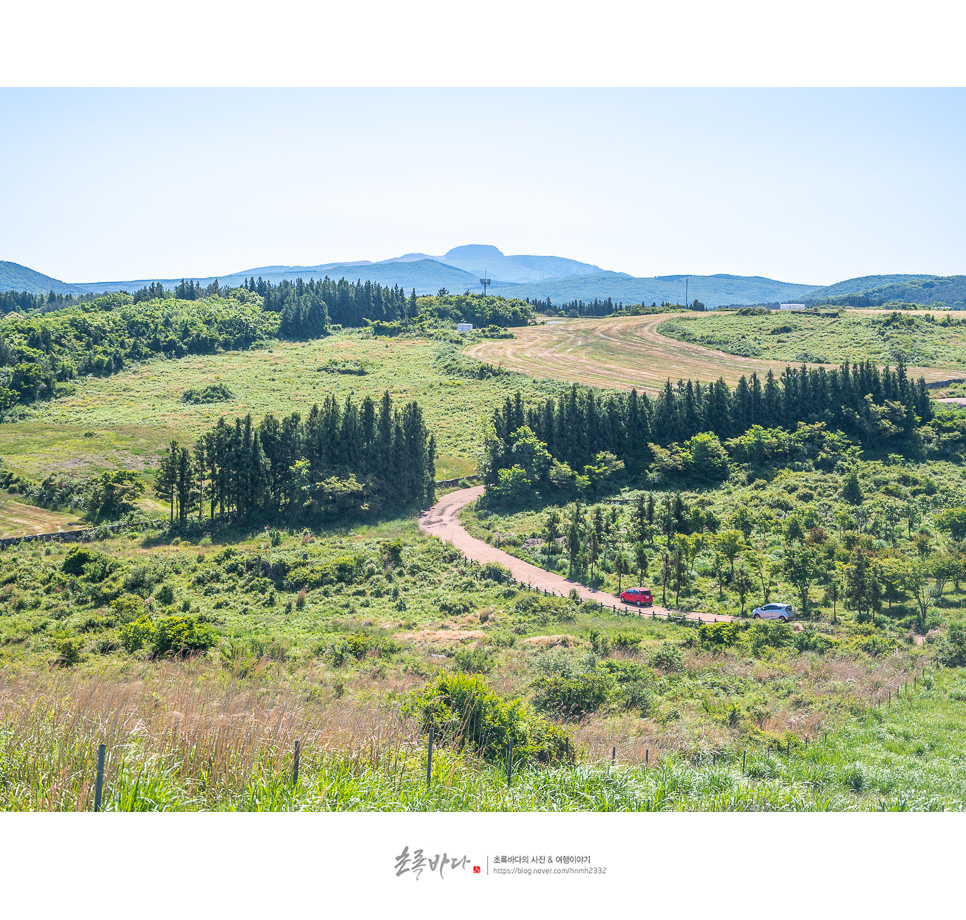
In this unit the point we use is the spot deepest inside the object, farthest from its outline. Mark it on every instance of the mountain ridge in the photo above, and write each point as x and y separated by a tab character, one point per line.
538	278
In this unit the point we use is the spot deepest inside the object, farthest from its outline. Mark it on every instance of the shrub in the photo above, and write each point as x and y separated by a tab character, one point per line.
68	648
182	635
599	643
668	658
636	695
467	715
625	643
89	563
353	646
213	392
141	579
165	595
952	650
545	610
136	634
571	697
127	607
496	572
473	660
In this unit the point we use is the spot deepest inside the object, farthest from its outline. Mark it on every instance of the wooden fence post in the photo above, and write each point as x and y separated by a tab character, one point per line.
99	785
429	760
295	763
509	764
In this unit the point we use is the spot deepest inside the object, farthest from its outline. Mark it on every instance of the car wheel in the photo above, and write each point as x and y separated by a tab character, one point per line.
783	619
640	603
756	616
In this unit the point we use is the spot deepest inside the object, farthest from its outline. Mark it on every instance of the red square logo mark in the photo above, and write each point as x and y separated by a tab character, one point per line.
476	870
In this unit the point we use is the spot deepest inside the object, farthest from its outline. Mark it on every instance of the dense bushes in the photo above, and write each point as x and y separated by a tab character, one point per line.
466	714
174	635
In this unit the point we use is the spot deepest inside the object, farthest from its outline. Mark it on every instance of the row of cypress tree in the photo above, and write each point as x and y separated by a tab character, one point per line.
337	460
307	307
862	400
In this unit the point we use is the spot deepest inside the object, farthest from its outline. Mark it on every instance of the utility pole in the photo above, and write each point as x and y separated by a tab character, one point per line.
686	280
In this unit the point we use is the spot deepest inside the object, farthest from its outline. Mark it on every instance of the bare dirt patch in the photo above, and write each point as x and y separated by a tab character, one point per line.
551	641
440	636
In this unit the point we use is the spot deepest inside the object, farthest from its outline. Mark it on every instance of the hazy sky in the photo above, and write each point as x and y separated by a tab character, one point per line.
802	185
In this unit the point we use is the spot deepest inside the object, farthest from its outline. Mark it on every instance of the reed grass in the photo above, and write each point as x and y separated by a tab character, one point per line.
184	738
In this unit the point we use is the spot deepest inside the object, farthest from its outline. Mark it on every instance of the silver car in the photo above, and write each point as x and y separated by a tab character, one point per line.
781	612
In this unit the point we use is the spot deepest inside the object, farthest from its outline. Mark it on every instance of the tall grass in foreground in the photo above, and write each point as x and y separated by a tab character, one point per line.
182	739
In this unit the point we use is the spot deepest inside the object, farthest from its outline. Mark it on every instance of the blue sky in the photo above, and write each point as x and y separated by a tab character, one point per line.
803	185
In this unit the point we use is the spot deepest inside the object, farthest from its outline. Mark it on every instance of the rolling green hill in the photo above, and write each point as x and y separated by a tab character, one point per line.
862	285
14	277
927	290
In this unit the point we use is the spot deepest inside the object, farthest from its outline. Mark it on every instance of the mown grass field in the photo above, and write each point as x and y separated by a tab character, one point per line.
18	518
644	351
123	421
922	339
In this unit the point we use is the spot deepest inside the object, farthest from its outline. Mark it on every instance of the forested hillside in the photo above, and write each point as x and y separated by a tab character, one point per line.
924	290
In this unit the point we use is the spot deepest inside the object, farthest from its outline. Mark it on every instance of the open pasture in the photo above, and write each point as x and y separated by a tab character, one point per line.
924	340
632	352
19	519
124	420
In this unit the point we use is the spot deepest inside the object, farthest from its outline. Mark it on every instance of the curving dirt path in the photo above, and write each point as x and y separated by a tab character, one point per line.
627	352
442	520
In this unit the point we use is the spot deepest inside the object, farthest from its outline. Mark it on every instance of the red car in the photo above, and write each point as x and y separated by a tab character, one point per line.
640	596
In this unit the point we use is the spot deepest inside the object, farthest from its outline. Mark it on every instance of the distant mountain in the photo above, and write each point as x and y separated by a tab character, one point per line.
539	278
711	290
425	275
863	284
919	289
14	277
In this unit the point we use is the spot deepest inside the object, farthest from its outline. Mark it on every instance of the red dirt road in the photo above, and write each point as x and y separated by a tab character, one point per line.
442	520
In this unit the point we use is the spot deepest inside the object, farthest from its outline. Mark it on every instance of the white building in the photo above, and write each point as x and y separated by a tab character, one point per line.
791	306
464	327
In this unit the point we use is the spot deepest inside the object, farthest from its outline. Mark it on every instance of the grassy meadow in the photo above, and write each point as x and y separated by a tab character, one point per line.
328	637
181	739
124	420
200	655
921	339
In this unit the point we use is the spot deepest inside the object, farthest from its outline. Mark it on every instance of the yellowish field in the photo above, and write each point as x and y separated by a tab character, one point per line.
626	353
18	519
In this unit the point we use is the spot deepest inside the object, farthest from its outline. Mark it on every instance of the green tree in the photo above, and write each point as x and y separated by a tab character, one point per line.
743	585
166	478
731	544
621	568
800	565
642	560
114	494
851	489
953	522
552	531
